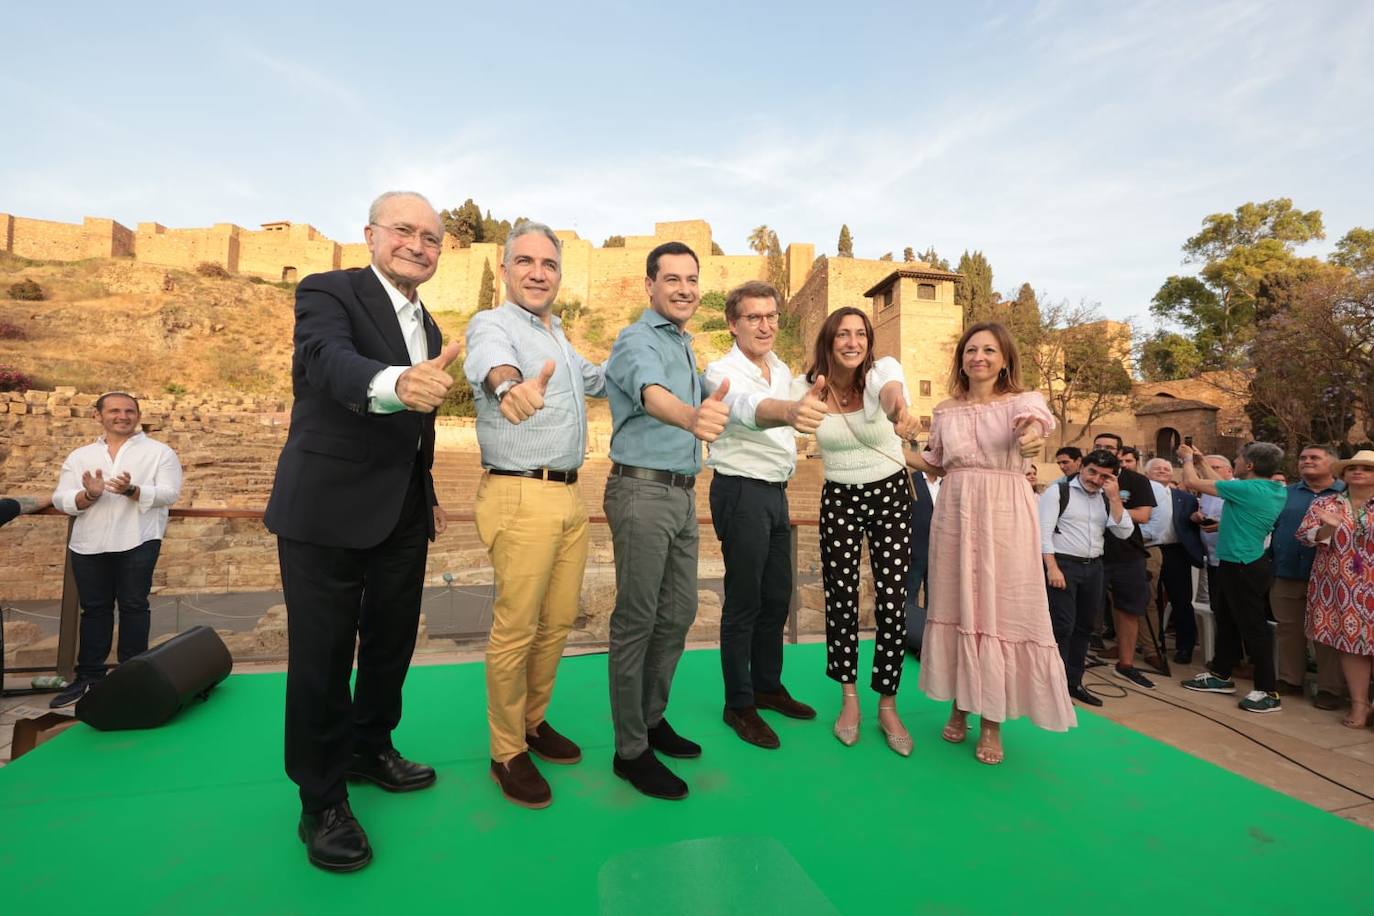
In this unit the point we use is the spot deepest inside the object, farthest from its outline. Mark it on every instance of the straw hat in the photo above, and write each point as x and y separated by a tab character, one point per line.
1363	458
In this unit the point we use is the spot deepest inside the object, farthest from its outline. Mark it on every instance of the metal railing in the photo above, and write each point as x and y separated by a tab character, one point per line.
70	613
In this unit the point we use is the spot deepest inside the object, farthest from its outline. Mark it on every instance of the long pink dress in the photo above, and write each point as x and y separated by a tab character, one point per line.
988	643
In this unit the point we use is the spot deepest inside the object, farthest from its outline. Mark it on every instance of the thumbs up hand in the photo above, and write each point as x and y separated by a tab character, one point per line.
424	385
806	414
1028	437
711	417
527	398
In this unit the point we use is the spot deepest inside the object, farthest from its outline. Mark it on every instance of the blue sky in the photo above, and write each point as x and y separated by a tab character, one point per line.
1076	145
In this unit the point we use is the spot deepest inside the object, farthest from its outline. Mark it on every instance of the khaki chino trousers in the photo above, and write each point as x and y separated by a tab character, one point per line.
536	534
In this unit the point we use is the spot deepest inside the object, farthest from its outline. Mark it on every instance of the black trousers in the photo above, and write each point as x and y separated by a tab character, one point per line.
1241	608
104	580
335	595
882	511
751	520
1073	610
1176	578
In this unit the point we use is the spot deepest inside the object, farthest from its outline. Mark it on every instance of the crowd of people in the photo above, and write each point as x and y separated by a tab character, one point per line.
1006	594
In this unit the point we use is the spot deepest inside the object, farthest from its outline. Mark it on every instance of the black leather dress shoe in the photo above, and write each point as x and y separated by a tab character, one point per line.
391	771
648	774
334	840
663	739
749	725
1083	695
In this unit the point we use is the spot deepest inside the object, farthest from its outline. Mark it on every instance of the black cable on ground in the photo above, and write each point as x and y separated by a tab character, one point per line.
1227	725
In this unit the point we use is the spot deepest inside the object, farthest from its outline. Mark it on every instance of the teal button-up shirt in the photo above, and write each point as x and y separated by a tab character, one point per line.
652	351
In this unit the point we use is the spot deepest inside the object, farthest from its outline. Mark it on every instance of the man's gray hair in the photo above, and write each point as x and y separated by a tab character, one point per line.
1164	461
374	211
530	227
1331	450
1266	458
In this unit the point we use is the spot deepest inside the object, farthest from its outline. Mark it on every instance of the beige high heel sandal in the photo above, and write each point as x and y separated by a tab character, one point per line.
900	743
848	735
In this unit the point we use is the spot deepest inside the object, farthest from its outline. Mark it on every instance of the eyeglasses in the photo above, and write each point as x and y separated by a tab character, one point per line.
409	233
755	320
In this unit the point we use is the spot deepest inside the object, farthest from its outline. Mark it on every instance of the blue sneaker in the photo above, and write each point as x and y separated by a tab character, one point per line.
1207	682
1260	701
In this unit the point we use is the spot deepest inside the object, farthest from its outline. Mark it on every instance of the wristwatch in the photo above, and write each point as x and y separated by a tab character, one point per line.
504	387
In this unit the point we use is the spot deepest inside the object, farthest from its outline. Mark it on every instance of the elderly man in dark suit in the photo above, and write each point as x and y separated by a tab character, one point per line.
353	508
1177	540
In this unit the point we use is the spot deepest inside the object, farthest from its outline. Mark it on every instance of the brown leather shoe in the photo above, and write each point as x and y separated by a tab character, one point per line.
551	746
782	702
750	727
521	783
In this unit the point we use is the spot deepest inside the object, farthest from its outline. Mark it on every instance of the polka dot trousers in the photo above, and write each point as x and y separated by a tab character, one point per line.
882	511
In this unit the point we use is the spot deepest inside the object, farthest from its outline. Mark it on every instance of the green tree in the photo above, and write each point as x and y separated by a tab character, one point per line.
614	241
777	267
463	223
885	256
931	257
1236	251
973	293
1079	361
908	255
494	230
845	248
1167	355
486	292
758	239
1355	251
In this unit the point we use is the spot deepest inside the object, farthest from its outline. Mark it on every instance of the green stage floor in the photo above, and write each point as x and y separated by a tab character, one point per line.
198	817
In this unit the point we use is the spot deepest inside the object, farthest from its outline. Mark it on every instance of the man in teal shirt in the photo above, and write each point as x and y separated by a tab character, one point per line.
1253	504
659	419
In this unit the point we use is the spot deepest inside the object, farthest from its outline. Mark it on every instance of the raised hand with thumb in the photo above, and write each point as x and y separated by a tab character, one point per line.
527	398
807	413
424	385
711	417
1028	437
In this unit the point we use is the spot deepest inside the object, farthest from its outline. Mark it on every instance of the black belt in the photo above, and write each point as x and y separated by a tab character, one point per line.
780	484
1085	561
686	481
540	474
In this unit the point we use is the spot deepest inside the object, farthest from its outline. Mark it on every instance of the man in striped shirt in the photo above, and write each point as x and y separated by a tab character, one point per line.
529	384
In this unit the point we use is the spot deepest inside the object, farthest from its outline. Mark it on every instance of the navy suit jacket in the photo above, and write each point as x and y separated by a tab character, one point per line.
343	472
1187	532
921	512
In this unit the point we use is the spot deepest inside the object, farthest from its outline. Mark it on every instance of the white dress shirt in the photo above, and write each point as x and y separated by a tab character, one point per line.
381	391
114	522
934	487
1159	530
744	450
1083	525
1211	507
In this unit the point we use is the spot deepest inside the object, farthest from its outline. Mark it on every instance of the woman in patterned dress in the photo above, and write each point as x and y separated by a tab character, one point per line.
1340	594
989	645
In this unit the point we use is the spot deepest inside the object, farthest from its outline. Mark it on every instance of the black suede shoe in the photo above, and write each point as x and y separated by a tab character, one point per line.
1083	695
751	728
648	774
391	771
662	738
334	840
783	702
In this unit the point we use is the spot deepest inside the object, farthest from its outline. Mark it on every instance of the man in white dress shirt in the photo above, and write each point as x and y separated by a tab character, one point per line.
1075	516
119	488
752	461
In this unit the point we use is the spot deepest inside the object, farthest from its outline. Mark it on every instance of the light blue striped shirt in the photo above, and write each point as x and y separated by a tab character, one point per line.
555	437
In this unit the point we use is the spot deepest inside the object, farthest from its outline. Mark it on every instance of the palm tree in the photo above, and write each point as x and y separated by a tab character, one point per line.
759	239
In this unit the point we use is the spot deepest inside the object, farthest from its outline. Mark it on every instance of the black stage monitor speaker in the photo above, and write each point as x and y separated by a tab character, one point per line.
151	688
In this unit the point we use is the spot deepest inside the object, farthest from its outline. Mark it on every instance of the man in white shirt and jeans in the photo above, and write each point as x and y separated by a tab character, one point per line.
752	461
1072	542
119	488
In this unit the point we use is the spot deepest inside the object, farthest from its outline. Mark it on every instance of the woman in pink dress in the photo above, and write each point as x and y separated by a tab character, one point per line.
1340	594
988	644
